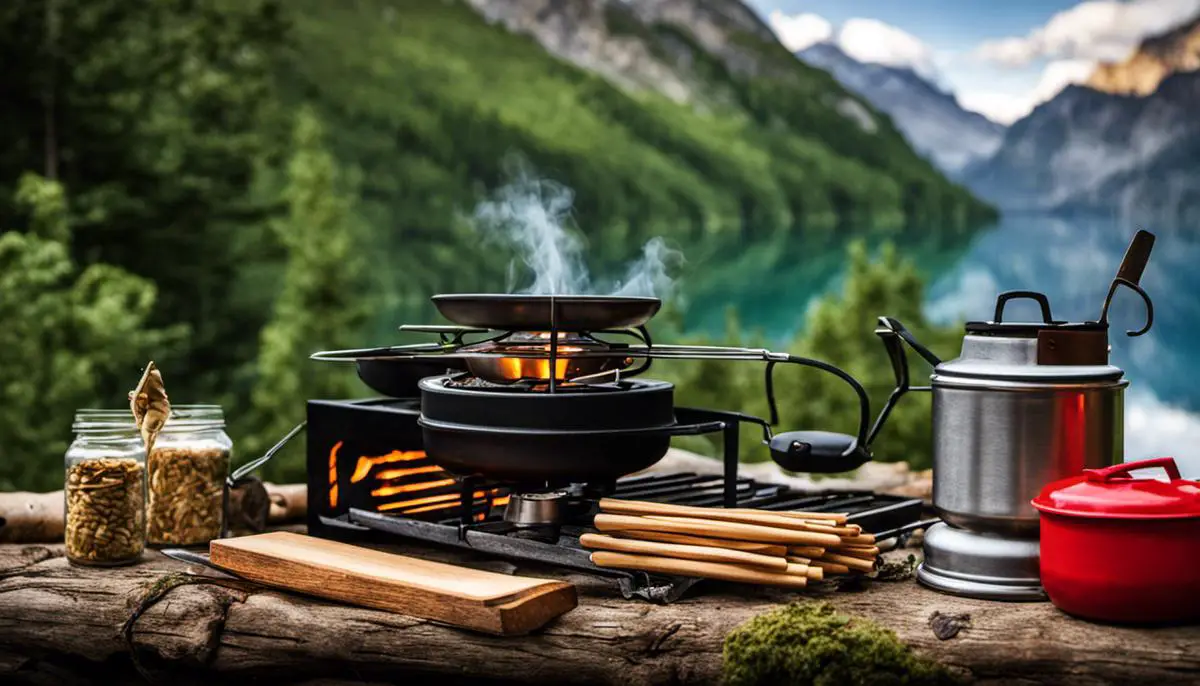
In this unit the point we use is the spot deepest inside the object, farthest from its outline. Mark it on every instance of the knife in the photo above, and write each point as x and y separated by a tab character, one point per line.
195	558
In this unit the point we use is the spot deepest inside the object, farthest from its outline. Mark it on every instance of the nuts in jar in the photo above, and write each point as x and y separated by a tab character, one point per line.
105	511
186	470
187	488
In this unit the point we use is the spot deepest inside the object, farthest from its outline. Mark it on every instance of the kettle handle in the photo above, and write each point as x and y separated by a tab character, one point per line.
1041	299
1119	470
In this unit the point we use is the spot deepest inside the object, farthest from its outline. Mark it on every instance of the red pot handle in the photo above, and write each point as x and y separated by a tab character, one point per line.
1120	470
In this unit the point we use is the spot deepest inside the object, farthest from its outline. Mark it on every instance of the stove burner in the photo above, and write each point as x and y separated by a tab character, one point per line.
535	509
523	356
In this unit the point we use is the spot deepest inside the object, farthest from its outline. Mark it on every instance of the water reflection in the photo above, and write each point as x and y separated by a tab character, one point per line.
771	283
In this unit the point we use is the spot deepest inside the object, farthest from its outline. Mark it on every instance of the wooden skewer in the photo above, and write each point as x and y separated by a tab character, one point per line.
805	551
772	549
805	570
828	527
739	530
799	560
859	540
683	552
830	567
838	518
701	527
756	517
866	552
707	570
855	563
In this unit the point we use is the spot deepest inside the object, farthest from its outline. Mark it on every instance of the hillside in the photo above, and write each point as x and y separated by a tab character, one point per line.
931	119
429	99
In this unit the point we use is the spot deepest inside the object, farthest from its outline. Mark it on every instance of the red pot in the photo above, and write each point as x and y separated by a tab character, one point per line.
1119	549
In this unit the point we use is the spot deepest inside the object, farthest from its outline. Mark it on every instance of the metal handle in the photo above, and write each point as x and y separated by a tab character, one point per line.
1041	299
1129	274
1119	470
245	469
864	403
897	328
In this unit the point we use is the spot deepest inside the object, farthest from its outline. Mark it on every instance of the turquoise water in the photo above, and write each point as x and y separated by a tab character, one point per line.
1072	261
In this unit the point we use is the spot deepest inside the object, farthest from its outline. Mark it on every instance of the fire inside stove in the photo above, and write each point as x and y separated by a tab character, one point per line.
406	482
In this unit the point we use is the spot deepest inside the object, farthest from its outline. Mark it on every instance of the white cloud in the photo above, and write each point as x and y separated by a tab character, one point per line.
870	40
800	31
1096	30
1007	108
866	40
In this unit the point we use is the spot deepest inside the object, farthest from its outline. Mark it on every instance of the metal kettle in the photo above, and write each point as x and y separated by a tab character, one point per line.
1024	404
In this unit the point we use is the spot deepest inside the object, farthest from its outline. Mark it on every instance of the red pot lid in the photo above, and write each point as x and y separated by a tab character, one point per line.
1114	493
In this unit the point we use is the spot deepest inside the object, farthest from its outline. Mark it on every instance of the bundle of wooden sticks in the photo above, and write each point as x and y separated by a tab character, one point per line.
751	546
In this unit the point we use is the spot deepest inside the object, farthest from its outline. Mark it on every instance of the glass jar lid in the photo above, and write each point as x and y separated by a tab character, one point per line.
100	420
194	418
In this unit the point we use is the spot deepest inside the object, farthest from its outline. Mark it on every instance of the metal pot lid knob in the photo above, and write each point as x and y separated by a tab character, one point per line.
1114	493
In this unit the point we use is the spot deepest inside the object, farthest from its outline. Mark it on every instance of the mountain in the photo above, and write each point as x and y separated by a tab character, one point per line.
1125	143
682	118
930	118
1094	152
1175	51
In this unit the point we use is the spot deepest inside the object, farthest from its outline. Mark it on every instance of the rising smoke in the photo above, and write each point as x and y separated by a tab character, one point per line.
533	216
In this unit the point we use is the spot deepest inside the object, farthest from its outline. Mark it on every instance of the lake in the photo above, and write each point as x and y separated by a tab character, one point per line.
1071	261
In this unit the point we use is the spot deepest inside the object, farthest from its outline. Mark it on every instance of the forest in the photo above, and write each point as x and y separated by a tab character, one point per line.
226	186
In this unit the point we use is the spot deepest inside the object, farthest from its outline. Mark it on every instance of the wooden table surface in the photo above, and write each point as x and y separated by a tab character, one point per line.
62	624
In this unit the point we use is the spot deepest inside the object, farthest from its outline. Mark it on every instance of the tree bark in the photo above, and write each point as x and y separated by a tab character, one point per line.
62	624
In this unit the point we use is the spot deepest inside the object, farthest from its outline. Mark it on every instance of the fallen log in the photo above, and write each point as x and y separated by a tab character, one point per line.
252	507
62	624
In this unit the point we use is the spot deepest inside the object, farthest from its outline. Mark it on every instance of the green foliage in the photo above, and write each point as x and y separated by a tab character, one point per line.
153	114
321	305
837	330
68	333
807	643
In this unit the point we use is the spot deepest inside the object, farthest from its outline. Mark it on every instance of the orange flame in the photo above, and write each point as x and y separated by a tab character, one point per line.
363	468
333	485
409	488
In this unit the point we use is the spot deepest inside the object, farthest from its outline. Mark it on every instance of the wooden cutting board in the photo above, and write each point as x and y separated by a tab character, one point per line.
460	596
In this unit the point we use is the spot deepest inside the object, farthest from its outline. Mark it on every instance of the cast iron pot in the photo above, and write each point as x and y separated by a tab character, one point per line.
540	438
1119	549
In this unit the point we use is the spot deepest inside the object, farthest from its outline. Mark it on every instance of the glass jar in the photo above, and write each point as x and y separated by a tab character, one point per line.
105	490
187	468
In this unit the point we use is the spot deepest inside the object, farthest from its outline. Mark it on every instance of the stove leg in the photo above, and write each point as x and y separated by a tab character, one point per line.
466	503
731	462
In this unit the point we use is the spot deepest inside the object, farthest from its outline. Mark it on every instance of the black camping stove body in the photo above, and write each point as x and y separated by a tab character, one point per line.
368	476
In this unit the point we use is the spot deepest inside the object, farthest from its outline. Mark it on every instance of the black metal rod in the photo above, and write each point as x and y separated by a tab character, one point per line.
553	345
731	463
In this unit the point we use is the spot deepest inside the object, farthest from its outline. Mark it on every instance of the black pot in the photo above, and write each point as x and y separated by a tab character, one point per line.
526	437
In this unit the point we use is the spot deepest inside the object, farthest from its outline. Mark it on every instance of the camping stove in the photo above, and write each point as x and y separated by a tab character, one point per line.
502	434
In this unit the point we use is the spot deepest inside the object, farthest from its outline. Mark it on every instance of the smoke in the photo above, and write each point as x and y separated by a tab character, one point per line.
534	217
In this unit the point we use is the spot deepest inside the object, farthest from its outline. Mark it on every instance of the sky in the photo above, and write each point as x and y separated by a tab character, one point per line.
1000	58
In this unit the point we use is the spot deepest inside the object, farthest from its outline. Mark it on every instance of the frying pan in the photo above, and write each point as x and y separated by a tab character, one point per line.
398	378
533	312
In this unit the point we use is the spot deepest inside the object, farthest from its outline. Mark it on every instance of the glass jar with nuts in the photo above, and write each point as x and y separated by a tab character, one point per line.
187	468
105	490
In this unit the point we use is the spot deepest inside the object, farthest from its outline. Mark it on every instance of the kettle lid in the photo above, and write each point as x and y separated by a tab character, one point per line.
1113	493
998	327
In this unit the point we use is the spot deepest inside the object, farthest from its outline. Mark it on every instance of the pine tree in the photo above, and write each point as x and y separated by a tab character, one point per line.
322	304
66	334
